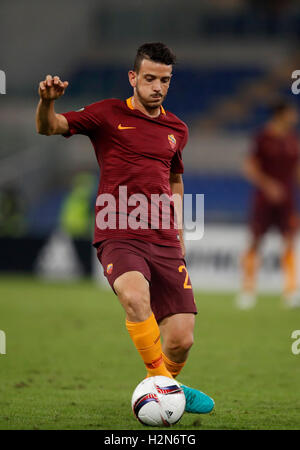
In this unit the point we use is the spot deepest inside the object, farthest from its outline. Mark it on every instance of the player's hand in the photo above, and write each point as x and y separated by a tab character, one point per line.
274	192
52	88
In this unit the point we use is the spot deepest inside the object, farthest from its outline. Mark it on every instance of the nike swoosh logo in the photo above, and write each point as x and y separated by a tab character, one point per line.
120	127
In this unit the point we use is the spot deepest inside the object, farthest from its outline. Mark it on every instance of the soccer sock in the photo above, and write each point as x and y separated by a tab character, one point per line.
146	338
249	267
173	367
288	263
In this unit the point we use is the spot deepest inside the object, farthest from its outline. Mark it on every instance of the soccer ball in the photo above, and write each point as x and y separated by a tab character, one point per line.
158	401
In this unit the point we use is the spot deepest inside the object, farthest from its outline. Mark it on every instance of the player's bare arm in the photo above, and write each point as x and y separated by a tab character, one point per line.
273	190
176	185
47	121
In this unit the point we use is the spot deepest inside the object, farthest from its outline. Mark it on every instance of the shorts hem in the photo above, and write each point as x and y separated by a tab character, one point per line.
118	274
164	316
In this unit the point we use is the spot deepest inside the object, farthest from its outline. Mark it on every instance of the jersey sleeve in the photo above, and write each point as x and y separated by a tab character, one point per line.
176	162
84	121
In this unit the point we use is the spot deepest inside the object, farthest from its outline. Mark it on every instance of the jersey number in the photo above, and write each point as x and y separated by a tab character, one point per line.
186	281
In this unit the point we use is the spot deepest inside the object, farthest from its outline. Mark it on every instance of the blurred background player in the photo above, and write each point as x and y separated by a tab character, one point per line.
273	168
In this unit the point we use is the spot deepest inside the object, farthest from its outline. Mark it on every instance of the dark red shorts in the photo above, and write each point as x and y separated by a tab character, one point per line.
265	215
163	266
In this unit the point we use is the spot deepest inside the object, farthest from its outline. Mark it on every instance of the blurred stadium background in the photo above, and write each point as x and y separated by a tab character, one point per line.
234	58
64	368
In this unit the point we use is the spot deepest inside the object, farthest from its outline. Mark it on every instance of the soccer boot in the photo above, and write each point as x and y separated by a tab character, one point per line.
196	401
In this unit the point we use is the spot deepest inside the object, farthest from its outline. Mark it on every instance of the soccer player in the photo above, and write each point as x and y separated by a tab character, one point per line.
138	146
273	168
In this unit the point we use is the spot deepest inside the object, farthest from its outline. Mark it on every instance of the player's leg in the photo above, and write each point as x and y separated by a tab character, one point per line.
127	271
178	336
291	293
172	301
260	221
250	265
288	262
287	222
132	289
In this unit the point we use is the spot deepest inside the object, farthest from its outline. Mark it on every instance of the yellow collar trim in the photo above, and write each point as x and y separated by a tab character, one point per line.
129	103
130	106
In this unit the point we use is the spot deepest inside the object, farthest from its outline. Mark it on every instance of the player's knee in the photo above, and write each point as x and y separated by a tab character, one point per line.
180	344
136	304
186	342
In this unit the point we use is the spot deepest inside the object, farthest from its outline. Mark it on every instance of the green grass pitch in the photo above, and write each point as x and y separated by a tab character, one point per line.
70	364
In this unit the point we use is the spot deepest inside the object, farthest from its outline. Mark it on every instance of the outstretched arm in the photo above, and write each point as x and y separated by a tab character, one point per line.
47	121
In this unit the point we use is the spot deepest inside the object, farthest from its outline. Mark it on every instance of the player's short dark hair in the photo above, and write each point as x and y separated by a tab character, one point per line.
154	51
280	107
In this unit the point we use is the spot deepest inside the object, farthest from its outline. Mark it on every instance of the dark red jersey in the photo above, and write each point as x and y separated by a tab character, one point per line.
137	153
278	156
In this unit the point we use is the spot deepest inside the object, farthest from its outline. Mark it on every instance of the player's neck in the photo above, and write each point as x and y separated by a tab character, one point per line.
149	112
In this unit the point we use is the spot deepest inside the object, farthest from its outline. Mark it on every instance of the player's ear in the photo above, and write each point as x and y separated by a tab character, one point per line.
132	76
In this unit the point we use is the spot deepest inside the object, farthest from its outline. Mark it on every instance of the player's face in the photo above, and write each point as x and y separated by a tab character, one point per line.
151	83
